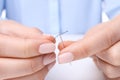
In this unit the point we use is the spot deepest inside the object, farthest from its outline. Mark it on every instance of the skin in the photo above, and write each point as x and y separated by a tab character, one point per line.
102	43
20	58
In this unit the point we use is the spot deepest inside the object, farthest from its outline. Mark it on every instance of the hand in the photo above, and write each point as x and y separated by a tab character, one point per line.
103	42
25	53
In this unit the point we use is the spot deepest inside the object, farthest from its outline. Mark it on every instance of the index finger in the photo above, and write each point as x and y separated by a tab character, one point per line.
24	48
14	29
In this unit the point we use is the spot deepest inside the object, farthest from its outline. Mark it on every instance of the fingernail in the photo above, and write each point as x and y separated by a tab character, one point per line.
65	57
47	48
51	65
49	59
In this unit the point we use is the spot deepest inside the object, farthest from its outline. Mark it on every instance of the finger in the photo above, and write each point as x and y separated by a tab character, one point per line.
40	75
49	58
50	66
91	45
24	48
106	78
64	44
49	37
97	62
94	30
12	28
109	70
11	68
95	59
112	55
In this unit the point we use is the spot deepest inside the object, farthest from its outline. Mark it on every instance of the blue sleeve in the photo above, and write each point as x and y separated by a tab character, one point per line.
1	6
111	7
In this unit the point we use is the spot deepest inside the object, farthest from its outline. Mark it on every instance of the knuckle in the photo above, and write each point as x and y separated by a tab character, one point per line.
32	66
27	48
110	75
4	25
114	56
109	38
109	72
36	64
31	48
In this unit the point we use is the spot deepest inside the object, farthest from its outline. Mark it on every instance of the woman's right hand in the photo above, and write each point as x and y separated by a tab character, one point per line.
25	53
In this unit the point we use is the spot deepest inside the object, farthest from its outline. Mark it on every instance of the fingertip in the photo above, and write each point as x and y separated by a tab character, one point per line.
65	57
60	46
64	44
50	37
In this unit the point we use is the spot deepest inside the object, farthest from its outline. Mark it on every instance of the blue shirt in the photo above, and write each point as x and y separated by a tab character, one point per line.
55	16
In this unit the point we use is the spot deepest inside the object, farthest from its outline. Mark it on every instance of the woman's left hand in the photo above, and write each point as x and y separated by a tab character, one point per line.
25	53
102	42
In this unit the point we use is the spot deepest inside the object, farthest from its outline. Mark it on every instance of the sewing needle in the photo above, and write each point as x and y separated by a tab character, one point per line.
62	39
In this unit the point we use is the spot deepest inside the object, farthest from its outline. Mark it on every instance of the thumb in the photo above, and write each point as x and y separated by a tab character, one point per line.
94	43
64	44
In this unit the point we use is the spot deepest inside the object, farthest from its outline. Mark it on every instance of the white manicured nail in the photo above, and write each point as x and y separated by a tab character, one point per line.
65	58
47	48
